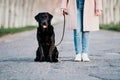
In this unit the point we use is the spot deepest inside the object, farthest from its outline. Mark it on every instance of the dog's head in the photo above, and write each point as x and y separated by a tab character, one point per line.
44	19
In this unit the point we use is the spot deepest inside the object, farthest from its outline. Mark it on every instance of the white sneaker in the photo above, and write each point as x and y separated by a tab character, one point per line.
85	57
78	58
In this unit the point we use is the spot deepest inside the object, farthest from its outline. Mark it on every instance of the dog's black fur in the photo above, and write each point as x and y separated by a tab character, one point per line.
47	51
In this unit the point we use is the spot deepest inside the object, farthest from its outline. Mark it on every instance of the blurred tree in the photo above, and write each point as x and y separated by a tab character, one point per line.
111	12
17	13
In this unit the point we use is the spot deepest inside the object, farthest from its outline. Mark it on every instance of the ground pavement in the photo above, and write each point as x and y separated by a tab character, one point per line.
17	53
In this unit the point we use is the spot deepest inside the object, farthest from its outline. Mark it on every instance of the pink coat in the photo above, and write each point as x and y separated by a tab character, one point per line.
90	20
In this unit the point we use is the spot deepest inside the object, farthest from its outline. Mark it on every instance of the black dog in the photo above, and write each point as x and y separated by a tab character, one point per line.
47	51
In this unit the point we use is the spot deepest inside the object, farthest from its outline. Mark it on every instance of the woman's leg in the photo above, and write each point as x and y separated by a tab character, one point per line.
78	35
77	41
78	32
85	45
85	41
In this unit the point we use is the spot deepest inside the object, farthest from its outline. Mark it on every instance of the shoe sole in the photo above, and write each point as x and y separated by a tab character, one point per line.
86	60
77	60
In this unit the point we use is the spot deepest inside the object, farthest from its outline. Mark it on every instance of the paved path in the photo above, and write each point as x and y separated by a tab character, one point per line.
18	51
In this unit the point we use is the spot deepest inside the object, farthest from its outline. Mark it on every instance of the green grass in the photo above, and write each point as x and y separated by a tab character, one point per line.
112	27
6	31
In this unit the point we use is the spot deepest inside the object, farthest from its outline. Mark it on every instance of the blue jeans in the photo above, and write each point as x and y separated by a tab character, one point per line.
81	38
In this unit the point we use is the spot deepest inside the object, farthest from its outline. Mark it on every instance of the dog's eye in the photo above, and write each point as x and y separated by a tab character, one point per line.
45	16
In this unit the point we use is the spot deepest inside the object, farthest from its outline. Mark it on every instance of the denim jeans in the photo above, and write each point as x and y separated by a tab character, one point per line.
80	4
81	38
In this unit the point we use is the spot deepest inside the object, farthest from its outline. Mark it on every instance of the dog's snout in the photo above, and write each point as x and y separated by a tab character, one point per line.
44	23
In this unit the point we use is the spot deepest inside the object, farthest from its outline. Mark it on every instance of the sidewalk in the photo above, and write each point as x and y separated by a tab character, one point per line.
18	51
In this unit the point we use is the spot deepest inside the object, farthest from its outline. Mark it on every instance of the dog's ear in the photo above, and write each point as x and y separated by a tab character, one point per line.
37	17
50	16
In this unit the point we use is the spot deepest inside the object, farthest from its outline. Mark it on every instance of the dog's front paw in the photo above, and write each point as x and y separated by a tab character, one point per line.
37	59
55	60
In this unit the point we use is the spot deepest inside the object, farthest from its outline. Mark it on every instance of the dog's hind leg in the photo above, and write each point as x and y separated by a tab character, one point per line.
39	56
55	55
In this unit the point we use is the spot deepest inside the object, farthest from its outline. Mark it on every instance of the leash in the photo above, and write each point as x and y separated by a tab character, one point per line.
64	13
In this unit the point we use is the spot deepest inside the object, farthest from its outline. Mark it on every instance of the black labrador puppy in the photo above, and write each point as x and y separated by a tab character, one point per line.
47	51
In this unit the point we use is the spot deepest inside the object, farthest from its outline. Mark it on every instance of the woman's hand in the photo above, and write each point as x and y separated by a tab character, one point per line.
98	12
63	10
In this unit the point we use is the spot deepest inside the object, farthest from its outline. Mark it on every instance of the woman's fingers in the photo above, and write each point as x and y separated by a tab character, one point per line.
98	12
63	10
